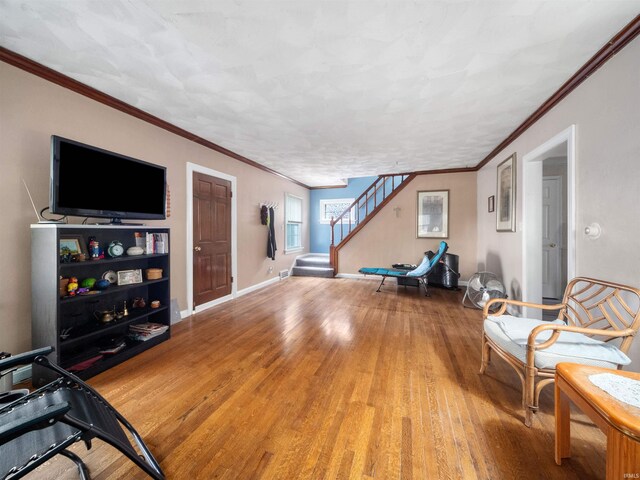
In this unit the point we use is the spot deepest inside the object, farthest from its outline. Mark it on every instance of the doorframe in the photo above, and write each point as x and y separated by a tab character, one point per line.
532	214
191	169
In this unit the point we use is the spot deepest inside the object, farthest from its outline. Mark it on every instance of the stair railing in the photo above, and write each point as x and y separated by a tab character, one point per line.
356	215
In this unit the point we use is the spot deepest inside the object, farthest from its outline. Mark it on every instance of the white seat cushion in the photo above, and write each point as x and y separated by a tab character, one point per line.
511	334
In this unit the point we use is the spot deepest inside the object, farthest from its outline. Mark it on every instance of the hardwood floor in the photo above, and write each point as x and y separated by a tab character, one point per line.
324	378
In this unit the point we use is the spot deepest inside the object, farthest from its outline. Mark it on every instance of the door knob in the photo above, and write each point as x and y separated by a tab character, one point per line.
197	249
552	245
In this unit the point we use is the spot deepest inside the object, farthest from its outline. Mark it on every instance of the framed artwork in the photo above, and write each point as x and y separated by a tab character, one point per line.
433	214
491	204
506	195
333	207
72	245
129	277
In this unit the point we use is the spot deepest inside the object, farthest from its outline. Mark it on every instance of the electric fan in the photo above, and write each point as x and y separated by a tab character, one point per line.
482	287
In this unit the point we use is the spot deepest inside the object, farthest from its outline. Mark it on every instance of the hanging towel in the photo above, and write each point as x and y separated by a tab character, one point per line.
271	238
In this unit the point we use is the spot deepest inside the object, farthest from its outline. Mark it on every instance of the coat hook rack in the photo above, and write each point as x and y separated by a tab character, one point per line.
273	205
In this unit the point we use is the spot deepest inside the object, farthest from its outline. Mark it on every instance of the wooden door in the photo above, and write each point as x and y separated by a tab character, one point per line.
211	238
551	237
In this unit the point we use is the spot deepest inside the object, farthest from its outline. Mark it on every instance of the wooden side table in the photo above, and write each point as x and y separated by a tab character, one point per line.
619	421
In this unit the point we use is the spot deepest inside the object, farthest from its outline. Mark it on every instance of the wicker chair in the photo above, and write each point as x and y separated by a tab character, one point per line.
590	308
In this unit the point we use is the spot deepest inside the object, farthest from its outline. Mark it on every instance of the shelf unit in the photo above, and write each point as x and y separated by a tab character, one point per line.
52	315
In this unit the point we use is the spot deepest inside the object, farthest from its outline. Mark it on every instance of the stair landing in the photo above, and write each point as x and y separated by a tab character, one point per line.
313	265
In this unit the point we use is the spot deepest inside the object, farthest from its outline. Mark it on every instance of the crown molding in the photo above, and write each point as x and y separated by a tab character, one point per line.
613	46
58	78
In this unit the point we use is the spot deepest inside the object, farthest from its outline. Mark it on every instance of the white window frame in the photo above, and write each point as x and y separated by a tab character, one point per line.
329	201
286	223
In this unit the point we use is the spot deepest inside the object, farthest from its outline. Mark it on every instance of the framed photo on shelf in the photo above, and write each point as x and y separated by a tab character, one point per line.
491	204
72	245
129	277
506	195
433	214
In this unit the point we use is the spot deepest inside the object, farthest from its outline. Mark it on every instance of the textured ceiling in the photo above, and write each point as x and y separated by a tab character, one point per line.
324	90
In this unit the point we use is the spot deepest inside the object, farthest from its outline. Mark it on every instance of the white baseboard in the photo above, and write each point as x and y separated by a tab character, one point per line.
357	276
258	286
213	303
360	276
184	314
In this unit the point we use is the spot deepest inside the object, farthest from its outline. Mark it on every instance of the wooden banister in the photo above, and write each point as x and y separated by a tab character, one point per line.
359	224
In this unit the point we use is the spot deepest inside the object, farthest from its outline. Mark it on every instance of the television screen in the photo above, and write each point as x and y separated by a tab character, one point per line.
91	182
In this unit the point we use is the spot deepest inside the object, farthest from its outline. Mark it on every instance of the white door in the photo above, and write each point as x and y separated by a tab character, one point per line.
552	237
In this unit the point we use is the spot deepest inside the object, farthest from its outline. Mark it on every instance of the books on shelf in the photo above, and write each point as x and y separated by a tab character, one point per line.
152	242
146	331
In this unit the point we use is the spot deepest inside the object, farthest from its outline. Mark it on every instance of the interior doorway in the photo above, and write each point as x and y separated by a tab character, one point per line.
211	237
549	220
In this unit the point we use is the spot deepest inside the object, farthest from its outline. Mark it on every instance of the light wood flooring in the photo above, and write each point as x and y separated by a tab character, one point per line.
325	378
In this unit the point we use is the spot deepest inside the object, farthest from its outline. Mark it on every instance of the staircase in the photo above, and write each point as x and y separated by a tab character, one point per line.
363	209
313	265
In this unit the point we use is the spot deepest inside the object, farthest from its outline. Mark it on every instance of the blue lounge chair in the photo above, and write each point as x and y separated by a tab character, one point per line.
420	273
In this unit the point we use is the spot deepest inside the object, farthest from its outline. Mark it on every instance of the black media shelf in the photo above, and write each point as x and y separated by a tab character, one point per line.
52	315
108	261
111	360
111	290
97	330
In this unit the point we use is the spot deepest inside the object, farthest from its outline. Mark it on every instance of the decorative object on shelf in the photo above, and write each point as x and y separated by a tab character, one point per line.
155	304
102	284
115	249
125	312
94	248
138	302
111	276
65	333
78	257
491	204
433	214
63	287
105	316
135	251
128	277
153	273
506	193
86	291
71	245
88	283
72	286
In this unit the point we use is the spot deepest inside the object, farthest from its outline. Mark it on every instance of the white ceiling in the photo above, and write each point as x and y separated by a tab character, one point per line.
324	90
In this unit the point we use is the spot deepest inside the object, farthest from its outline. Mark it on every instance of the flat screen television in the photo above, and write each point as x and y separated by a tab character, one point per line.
88	181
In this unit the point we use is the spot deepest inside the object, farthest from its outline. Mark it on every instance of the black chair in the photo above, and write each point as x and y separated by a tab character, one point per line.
44	423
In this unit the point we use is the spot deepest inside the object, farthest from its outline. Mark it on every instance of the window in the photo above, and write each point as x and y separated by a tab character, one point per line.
334	207
293	220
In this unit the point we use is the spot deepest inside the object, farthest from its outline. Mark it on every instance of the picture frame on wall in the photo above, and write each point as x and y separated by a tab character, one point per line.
506	195
491	204
433	214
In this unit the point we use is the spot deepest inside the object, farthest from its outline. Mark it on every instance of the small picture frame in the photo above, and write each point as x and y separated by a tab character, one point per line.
72	245
506	195
491	204
129	277
433	214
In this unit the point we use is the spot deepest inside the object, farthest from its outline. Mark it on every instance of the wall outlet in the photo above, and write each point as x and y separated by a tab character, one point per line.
270	270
